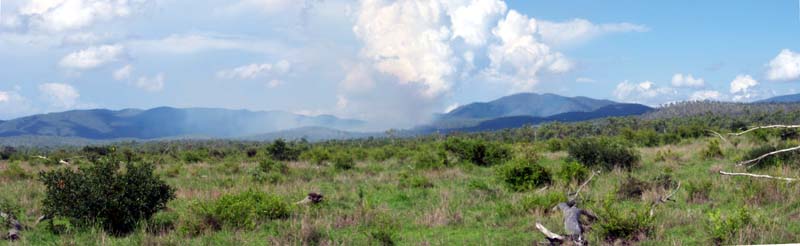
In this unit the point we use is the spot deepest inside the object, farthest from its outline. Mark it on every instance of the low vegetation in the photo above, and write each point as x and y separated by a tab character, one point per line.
650	182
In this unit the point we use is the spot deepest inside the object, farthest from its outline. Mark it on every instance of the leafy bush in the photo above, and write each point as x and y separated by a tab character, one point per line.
408	180
194	156
316	155
270	170
343	161
623	221
723	226
712	150
429	159
520	175
572	171
790	158
7	152
244	210
603	152
280	150
102	194
477	151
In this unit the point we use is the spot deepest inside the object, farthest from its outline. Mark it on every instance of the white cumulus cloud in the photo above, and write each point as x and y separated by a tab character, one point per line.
645	92
472	22
63	15
742	83
408	39
59	95
785	66
679	80
580	30
256	70
705	95
123	73
151	84
520	55
93	57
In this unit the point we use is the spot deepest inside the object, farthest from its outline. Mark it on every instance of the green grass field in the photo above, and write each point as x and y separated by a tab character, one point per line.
395	202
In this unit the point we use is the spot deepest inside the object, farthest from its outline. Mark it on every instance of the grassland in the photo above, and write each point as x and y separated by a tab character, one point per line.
395	202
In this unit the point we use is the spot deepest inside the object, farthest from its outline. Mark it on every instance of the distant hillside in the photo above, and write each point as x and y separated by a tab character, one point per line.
616	110
312	134
782	99
700	108
526	104
164	122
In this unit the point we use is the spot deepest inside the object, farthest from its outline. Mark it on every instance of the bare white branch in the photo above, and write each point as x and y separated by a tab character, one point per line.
549	234
664	199
764	127
758	176
756	160
578	191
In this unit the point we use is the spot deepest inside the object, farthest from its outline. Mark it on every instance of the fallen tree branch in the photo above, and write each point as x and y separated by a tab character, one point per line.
720	136
764	127
756	160
577	192
758	176
664	199
553	238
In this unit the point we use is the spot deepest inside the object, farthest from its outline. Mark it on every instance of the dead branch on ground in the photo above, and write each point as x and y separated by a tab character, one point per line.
758	176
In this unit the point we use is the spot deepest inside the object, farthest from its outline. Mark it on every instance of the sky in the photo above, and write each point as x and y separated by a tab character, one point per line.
391	63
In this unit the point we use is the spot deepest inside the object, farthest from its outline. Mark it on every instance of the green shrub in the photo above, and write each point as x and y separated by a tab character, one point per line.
785	158
408	180
269	170
555	145
244	210
343	161
603	152
478	152
316	155
280	150
623	221
429	159
194	156
543	202
102	194
712	150
723	226
572	171
520	175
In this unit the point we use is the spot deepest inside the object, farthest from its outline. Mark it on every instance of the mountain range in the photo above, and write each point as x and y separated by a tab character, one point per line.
102	125
782	99
165	122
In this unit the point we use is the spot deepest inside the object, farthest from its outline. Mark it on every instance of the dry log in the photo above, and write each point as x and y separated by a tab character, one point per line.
553	238
756	160
764	127
758	176
720	136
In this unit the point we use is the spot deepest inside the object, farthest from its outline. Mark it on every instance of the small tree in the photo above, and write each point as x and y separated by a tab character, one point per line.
103	194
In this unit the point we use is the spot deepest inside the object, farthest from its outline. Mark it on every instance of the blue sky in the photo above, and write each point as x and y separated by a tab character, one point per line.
393	63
